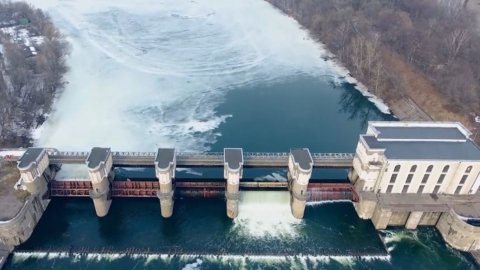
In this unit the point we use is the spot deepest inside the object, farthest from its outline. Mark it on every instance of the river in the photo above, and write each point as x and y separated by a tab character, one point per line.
201	76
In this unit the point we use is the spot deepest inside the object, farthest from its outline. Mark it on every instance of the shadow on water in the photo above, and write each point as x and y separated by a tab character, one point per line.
300	112
356	106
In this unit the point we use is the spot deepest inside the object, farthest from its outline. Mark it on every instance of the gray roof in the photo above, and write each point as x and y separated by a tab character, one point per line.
303	158
31	155
97	156
372	142
164	157
420	133
233	157
426	150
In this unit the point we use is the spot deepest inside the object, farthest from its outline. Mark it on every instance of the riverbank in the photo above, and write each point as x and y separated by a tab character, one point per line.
32	65
378	52
11	200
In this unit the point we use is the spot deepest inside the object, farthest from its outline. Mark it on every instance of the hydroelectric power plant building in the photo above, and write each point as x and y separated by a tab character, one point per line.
402	174
420	173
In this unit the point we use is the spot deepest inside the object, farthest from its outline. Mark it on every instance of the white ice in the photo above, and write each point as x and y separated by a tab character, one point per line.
148	73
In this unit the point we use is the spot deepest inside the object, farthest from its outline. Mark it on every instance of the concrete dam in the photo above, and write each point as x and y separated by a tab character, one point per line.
405	174
39	166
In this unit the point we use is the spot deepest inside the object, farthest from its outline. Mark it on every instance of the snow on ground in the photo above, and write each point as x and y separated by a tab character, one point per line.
19	34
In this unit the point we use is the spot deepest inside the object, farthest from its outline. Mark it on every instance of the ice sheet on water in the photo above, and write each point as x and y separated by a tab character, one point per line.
149	73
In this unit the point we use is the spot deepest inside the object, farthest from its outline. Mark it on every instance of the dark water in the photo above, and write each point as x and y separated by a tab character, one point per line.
301	111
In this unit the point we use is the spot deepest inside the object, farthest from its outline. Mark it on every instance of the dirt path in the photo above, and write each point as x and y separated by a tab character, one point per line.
422	96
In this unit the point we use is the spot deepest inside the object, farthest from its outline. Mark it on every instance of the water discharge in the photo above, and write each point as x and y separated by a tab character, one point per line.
266	213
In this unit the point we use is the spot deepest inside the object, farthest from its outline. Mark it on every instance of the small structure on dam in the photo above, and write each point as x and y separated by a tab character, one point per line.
420	173
232	172
300	166
165	165
99	163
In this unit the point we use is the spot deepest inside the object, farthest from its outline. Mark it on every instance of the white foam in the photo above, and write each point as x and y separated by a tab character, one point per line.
295	260
266	213
193	266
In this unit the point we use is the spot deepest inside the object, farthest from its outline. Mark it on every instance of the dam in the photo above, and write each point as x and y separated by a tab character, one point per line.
438	187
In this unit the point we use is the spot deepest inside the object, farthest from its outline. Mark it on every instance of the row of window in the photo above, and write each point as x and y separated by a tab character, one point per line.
430	169
421	188
425	178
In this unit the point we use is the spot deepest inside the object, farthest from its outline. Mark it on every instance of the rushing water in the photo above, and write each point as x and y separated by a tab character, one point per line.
204	75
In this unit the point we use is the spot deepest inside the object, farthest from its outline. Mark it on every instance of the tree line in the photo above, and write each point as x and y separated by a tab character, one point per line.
440	38
28	85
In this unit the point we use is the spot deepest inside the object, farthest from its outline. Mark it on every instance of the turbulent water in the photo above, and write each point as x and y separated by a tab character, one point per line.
199	76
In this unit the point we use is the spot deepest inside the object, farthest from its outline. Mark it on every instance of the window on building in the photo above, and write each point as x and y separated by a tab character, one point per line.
397	168
429	169
464	179
441	178
425	178
445	169
389	188
409	178
405	189
413	168
393	178
436	189
468	169
420	189
459	188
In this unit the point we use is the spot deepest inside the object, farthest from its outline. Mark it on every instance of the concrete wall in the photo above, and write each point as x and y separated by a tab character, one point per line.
429	218
381	217
398	218
365	208
458	233
17	230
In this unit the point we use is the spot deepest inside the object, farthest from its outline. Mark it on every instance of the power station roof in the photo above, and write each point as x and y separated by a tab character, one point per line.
418	141
420	133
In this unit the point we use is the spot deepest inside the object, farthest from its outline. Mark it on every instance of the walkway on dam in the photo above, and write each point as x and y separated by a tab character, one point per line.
191	159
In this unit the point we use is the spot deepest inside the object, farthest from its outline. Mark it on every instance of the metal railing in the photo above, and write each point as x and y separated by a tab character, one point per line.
251	159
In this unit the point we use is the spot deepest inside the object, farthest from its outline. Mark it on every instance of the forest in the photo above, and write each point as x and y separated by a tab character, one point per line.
436	40
30	74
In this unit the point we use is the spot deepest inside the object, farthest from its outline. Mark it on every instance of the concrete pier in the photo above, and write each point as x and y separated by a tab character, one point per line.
165	164
99	163
300	166
232	172
413	220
